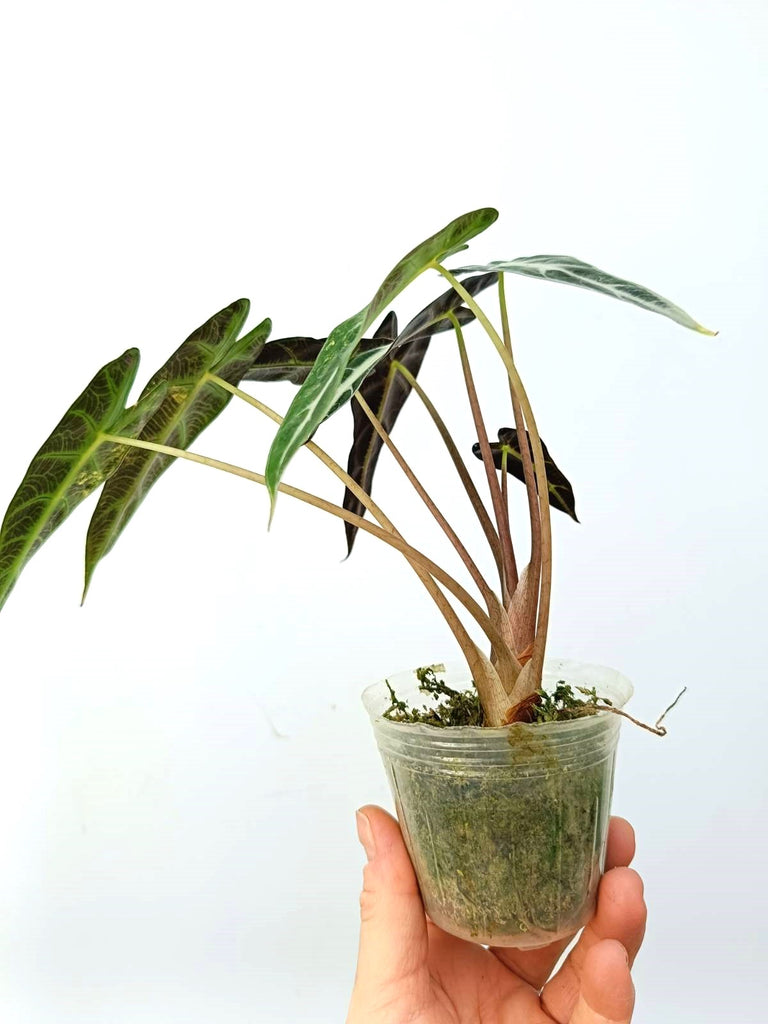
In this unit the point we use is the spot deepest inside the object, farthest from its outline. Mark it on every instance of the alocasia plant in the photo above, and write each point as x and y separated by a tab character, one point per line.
101	441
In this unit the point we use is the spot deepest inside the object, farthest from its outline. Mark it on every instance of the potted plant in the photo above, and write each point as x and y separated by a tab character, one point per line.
501	767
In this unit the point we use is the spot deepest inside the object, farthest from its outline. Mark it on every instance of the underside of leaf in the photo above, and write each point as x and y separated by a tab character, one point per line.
569	270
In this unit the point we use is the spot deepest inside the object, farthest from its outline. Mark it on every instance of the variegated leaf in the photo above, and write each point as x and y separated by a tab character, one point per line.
568	270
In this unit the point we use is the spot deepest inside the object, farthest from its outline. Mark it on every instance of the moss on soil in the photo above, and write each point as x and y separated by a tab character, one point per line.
463	707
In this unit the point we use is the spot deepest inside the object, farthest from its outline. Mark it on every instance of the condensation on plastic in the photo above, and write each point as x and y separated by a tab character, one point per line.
524	763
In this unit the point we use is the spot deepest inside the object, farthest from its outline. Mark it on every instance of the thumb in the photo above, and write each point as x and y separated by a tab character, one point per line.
607	994
393	929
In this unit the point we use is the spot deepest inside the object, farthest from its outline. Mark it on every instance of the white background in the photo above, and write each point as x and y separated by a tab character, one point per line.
180	759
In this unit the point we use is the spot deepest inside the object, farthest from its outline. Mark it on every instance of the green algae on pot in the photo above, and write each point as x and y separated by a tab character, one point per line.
506	827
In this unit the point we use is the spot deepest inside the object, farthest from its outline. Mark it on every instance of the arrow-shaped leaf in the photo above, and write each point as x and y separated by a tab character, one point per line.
190	403
568	270
319	394
73	461
560	490
386	391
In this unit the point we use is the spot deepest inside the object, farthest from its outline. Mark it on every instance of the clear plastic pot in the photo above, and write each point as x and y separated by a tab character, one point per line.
506	827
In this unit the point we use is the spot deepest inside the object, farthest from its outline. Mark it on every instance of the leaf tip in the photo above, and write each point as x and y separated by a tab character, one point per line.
351	533
272	504
489	214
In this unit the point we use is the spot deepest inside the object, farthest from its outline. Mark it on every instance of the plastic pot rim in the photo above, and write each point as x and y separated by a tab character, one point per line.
620	690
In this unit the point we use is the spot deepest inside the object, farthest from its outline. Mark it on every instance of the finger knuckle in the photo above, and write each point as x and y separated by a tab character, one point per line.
367	905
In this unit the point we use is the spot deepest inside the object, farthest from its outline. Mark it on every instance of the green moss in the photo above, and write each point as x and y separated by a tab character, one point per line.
562	704
458	707
463	707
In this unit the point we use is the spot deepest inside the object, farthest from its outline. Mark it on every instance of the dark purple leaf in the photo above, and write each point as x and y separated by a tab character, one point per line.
288	359
560	490
433	318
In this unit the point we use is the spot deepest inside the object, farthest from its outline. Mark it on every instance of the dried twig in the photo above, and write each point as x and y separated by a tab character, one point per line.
657	730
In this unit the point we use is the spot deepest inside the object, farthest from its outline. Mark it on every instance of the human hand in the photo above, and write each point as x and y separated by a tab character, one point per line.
409	970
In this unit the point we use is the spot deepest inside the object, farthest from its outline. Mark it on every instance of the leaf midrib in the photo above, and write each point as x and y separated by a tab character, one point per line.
56	497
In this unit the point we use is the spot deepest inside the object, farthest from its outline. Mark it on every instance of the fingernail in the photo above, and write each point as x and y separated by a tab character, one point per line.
365	834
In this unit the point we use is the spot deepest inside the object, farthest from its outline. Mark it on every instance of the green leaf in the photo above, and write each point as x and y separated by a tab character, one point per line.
364	360
319	394
560	490
134	418
190	402
73	461
568	270
386	391
358	368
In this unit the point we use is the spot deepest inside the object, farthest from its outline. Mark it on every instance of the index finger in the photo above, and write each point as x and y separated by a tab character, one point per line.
536	965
